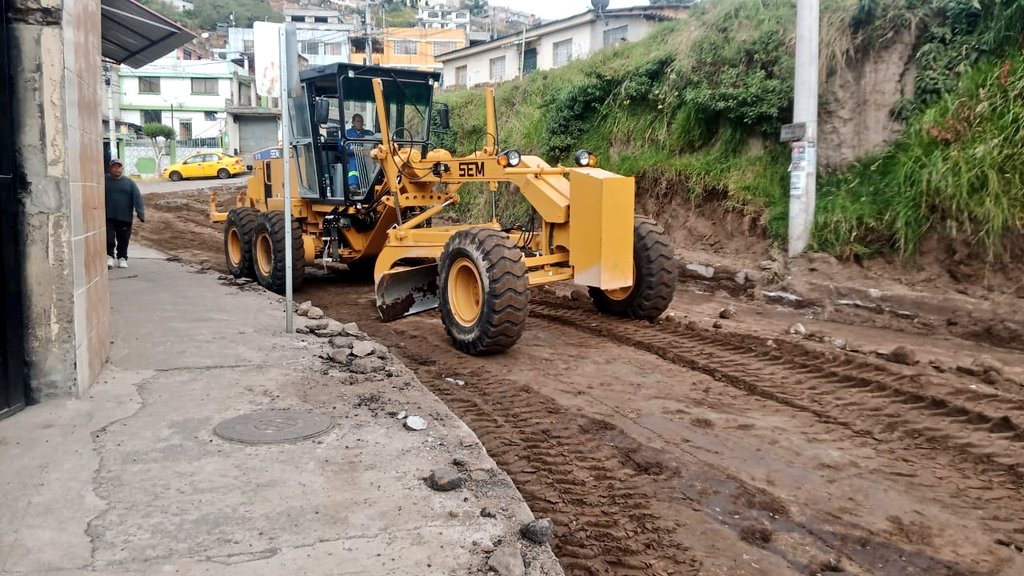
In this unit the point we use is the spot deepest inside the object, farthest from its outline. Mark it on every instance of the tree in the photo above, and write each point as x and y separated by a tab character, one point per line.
477	7
153	131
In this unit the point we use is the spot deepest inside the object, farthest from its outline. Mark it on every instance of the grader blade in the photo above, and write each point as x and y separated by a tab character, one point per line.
405	291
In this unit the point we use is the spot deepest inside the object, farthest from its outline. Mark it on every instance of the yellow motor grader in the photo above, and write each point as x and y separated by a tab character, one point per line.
367	198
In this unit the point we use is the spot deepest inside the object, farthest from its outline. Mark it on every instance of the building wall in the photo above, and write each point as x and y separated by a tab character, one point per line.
425	39
587	37
58	130
206	112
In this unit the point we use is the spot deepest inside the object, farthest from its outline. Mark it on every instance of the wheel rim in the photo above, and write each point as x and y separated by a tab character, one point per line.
620	294
465	292
264	255
234	247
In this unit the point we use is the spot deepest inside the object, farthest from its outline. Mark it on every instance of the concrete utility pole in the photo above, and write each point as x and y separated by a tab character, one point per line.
109	80
286	155
369	43
803	169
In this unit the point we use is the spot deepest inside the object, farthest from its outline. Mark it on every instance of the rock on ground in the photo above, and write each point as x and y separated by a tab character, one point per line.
445	479
352	329
989	364
538	531
902	355
367	365
727	313
415	423
314	313
363	348
342	342
701	270
798	329
333	329
507	560
304	308
340	356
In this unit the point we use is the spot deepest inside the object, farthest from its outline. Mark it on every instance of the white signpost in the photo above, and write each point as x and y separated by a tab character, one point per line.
276	61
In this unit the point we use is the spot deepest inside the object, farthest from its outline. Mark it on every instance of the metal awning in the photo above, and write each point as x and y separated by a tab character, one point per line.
134	35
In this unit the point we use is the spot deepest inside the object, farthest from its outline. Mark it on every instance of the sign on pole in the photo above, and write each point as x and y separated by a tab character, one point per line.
267	58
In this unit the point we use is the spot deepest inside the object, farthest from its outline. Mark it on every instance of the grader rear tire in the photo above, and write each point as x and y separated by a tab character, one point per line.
238	231
483	288
654	281
268	252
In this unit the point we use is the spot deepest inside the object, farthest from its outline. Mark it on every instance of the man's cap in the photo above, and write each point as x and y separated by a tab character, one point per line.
116	161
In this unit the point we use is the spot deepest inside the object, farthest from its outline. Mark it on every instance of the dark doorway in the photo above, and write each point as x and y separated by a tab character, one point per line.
12	374
529	60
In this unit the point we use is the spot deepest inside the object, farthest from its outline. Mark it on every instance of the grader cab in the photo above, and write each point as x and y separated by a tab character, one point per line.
367	198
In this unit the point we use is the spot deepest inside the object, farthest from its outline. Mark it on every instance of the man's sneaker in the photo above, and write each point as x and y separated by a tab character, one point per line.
110	262
122	263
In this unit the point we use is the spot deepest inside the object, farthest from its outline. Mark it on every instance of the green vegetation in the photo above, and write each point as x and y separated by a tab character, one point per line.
208	13
696	106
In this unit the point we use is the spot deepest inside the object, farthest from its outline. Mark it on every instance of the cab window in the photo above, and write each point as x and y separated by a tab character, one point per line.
195	159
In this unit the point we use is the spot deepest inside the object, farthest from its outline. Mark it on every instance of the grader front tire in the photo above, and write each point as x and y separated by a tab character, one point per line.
483	291
269	255
654	279
238	231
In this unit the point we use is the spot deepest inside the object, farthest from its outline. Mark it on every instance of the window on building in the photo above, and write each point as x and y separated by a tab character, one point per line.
613	36
405	47
298	18
461	76
561	52
209	116
152	117
497	69
248	45
444	47
309	47
185	130
205	86
433	15
149	85
332	48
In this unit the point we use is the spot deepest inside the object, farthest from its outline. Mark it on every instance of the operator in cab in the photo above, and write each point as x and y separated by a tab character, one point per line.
355	131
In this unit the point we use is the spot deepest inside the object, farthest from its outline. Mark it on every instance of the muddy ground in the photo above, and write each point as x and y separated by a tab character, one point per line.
701	445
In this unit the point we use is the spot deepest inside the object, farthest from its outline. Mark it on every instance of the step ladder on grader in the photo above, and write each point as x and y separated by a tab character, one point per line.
367	199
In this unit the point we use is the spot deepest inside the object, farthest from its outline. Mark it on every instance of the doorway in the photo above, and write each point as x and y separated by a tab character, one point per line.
12	376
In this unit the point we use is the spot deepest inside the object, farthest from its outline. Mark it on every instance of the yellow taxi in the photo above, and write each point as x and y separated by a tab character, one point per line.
205	165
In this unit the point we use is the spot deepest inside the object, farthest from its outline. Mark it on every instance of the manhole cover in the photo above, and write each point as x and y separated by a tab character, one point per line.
273	426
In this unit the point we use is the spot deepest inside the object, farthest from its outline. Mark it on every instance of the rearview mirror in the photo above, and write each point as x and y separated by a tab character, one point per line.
442	117
323	110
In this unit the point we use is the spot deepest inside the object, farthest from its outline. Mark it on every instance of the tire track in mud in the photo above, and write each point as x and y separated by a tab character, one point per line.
598	484
832	386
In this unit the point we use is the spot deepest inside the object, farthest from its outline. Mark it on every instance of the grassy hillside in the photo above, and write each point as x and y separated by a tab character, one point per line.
696	107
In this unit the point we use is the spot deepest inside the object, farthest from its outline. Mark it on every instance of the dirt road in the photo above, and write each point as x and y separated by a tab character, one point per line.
681	448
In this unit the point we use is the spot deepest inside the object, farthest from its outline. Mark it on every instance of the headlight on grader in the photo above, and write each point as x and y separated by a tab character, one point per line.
510	158
584	158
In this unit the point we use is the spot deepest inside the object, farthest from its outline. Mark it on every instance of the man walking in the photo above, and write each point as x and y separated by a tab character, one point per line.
123	198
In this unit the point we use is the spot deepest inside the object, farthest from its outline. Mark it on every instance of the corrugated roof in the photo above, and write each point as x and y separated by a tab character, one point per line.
134	35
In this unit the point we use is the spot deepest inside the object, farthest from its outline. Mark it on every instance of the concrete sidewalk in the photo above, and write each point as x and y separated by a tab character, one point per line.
131	478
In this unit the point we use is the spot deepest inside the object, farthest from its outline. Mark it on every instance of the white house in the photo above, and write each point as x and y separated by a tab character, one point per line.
443	17
322	35
551	45
189	95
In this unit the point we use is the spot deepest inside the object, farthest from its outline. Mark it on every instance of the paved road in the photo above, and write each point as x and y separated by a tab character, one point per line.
150	186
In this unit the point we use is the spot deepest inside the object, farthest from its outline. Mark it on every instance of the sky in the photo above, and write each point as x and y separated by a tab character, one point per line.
554	9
